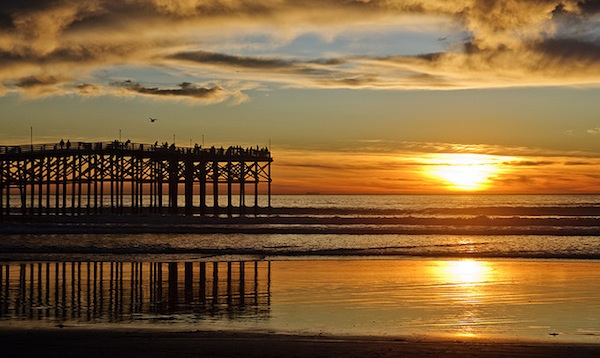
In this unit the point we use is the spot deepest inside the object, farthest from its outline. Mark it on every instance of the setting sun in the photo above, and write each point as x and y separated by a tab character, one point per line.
466	172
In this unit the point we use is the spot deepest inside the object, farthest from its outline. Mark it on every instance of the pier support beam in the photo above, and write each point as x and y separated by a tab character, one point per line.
173	184
189	187
215	170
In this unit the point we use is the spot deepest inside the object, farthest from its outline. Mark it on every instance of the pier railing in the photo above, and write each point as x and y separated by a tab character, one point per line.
127	145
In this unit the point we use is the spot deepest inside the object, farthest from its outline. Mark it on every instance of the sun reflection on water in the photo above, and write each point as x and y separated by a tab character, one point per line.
464	272
464	282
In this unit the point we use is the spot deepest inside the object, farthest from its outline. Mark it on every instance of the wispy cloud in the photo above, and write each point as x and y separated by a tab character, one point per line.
50	48
594	131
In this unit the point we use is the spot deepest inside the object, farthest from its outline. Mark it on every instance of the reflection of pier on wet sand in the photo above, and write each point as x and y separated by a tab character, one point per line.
132	291
377	306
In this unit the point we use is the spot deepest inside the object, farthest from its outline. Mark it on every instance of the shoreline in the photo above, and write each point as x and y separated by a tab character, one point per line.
75	342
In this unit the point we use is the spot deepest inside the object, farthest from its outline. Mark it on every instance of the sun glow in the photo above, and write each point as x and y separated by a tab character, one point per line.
465	271
465	172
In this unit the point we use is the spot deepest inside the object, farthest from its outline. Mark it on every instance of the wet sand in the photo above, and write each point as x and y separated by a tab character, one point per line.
73	342
466	295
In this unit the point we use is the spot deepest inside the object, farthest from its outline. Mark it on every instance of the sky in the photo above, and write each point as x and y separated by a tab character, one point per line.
352	96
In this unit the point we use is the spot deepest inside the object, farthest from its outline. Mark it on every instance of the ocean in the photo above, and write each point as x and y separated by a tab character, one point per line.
475	266
476	226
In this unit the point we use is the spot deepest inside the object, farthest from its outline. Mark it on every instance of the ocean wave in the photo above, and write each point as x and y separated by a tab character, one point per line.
436	211
275	224
292	246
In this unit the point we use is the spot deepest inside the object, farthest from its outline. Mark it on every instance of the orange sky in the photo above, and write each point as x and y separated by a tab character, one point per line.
425	173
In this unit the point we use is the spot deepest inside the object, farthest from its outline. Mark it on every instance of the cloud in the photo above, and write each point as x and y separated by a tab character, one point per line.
245	62
312	73
519	156
41	85
185	90
507	43
88	89
594	131
37	81
529	163
579	162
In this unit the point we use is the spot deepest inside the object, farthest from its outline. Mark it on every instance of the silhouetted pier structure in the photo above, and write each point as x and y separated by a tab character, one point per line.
128	178
114	291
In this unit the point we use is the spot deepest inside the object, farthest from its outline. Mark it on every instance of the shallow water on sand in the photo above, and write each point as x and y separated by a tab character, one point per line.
551	300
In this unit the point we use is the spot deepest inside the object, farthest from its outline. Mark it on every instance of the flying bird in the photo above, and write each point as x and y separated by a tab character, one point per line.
153	119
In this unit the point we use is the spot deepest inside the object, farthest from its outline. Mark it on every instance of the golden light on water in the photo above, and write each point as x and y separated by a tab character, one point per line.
464	172
466	282
464	271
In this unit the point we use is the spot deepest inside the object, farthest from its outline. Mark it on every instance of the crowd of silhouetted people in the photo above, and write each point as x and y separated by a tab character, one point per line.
197	149
116	144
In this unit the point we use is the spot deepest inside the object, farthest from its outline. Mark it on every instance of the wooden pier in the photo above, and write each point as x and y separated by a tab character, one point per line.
128	178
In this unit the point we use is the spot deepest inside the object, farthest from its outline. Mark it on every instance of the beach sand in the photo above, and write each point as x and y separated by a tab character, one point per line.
76	342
